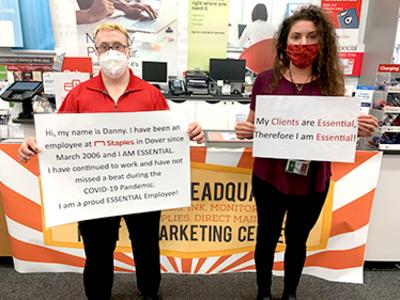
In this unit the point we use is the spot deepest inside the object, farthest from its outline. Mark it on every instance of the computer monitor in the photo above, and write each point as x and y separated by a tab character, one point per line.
292	7
241	28
24	86
232	70
154	71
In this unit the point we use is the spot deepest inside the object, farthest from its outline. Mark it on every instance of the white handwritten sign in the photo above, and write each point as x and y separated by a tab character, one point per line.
100	165
306	127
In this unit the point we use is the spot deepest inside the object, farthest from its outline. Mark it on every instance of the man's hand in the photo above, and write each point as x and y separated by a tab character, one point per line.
135	10
366	125
28	149
101	9
196	133
97	11
245	130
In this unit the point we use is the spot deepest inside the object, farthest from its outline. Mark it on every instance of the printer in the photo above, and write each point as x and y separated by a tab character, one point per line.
197	82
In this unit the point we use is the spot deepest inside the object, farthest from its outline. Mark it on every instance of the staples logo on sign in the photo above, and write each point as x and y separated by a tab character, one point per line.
70	85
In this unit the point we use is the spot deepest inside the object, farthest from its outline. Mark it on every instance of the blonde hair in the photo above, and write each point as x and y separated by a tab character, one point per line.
111	27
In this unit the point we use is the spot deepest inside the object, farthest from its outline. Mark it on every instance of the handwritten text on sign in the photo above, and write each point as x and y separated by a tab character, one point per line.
100	165
306	127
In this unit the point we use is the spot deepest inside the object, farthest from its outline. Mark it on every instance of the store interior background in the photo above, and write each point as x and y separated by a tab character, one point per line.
380	38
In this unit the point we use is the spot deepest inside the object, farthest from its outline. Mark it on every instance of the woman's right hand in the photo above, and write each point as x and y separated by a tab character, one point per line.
28	149
245	130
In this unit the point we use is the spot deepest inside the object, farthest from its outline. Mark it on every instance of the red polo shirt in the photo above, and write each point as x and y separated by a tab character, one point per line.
91	96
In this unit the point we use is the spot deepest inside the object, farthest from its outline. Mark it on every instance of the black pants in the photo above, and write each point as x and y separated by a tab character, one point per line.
302	214
100	237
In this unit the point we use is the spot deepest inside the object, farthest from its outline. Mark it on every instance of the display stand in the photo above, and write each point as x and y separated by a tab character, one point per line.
225	139
384	217
386	107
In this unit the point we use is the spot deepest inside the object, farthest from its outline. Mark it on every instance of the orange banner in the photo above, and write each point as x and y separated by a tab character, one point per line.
216	234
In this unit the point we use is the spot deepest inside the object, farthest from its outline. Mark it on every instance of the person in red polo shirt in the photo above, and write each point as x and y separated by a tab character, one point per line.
116	89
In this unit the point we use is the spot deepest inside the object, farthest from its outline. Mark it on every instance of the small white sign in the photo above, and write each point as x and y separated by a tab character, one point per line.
347	37
7	34
64	82
306	127
48	83
101	165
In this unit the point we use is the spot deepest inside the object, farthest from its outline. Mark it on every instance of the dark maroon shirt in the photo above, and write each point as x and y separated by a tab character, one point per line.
273	170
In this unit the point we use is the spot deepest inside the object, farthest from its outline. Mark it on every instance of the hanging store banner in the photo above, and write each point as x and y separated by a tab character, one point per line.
10	24
36	25
345	15
208	32
151	26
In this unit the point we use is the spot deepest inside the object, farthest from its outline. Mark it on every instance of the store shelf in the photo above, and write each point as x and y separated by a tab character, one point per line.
387	99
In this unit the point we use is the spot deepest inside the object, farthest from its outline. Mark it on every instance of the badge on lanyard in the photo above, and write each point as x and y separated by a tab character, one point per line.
299	167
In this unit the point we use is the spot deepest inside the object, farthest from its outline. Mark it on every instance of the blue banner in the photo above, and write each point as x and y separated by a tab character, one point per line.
36	25
10	24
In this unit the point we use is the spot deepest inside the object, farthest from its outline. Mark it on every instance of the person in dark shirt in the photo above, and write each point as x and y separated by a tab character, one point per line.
306	64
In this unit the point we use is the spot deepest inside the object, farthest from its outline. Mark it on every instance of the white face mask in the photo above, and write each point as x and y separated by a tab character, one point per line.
113	63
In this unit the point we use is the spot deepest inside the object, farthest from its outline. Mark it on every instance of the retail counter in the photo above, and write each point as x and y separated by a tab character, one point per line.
226	212
384	223
383	236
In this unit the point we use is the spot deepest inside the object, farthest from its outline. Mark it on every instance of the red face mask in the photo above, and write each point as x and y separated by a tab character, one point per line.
302	56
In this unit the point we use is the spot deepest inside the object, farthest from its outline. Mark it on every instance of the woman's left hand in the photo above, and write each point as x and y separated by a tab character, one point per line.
196	133
366	125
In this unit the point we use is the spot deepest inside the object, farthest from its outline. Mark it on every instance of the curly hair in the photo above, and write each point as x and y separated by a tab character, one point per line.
326	68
